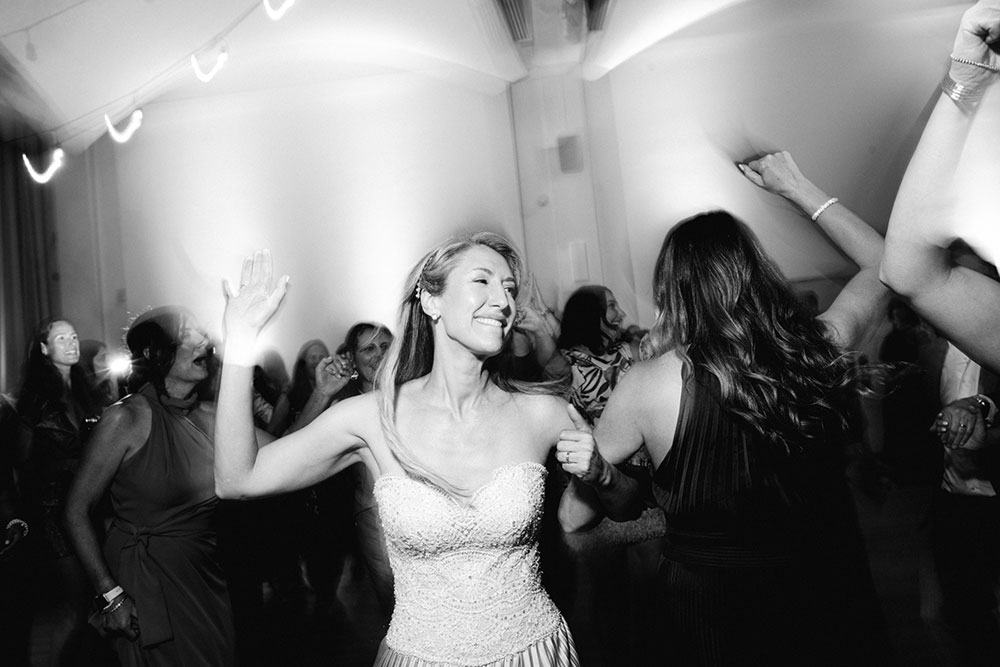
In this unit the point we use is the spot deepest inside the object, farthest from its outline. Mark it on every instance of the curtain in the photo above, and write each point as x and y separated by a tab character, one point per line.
28	277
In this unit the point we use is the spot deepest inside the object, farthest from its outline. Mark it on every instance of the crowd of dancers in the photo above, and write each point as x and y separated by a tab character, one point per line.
512	478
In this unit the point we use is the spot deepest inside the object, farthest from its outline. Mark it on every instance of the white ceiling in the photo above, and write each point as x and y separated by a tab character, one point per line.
91	57
64	64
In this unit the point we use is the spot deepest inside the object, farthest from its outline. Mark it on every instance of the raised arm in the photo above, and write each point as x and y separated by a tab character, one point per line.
962	304
298	460
850	316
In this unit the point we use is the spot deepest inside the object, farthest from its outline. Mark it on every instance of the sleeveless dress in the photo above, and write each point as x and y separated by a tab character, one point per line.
764	562
161	547
467	579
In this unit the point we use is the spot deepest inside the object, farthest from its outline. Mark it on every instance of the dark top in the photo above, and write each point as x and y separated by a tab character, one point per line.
161	547
49	462
764	560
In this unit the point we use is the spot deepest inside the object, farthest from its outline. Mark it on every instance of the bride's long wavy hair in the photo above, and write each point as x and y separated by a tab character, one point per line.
411	354
724	306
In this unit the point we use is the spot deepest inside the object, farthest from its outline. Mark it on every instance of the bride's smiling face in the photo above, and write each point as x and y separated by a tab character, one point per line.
477	306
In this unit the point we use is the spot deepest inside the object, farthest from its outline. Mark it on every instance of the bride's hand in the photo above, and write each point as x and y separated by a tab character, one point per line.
254	302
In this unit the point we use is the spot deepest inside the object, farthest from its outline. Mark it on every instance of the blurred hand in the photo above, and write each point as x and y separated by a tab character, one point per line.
977	40
577	451
123	620
249	307
530	321
332	374
960	424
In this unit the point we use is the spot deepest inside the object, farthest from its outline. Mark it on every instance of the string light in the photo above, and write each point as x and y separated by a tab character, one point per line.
57	160
134	123
276	14
205	77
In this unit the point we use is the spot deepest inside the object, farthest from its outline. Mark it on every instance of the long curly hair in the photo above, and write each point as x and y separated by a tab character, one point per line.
412	352
726	308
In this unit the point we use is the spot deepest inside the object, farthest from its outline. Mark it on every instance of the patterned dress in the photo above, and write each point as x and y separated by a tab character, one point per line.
468	587
594	377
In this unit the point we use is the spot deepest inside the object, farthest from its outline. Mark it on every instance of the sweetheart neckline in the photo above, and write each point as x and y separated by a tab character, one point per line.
455	499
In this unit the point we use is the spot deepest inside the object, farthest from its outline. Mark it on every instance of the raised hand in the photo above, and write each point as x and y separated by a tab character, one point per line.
332	374
777	173
977	41
254	302
577	450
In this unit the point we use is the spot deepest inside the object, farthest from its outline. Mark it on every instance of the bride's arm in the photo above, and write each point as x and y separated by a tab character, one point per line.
326	446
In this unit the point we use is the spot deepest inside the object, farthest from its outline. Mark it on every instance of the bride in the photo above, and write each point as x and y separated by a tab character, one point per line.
456	446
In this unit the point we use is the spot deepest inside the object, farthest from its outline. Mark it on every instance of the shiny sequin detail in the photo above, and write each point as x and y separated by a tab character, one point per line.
467	578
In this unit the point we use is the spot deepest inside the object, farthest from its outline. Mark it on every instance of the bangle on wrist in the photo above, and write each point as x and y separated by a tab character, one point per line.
110	596
112	607
827	204
18	522
974	63
963	94
985	408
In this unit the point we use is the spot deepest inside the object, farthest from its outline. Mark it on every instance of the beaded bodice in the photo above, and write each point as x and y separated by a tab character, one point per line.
467	578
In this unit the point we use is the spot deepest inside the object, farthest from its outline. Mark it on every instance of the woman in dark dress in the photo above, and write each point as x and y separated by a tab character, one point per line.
744	411
162	595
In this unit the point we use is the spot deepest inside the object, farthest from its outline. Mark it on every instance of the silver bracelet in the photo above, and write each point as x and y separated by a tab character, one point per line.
829	202
961	93
986	66
18	522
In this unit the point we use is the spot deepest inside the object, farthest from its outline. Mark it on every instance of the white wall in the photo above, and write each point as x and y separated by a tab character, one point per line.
841	85
348	184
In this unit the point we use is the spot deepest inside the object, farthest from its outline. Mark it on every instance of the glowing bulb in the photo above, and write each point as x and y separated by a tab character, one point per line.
276	14
134	122
204	77
119	364
46	176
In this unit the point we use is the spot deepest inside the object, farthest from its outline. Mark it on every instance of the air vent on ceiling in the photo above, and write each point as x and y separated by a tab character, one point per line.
516	14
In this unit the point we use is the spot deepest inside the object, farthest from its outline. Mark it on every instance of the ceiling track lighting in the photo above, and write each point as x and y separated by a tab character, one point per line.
276	14
203	76
44	177
121	136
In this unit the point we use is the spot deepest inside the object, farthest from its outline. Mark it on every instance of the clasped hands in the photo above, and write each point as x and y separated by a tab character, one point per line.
960	425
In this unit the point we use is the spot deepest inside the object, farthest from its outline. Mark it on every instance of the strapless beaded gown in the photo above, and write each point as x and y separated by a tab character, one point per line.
467	578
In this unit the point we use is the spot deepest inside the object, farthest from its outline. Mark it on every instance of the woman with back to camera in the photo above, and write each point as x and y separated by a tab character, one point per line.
162	595
743	410
458	447
57	408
